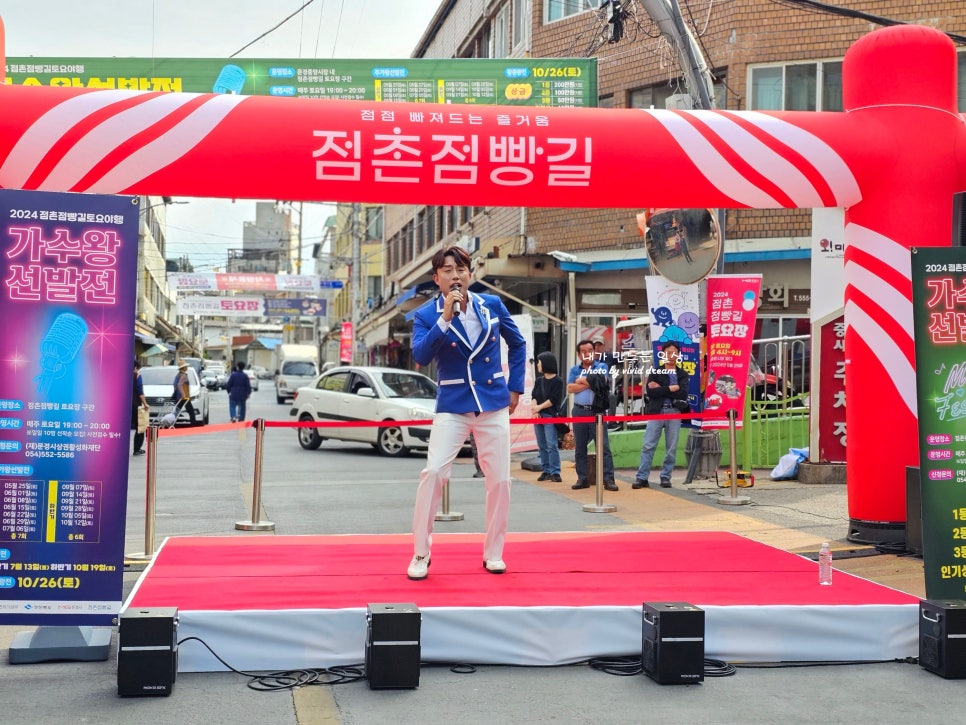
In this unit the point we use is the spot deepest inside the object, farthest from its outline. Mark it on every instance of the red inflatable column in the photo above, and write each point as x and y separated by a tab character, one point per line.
901	80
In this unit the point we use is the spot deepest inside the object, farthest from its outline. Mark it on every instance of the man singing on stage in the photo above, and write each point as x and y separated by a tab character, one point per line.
461	331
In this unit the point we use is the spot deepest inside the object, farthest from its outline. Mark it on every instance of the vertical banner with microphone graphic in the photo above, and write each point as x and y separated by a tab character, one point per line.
68	265
732	311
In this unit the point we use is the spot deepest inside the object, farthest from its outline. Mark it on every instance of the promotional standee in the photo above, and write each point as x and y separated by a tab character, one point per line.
939	306
901	137
732	310
68	263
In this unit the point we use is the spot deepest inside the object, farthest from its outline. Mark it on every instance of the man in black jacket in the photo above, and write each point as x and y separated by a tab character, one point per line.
667	394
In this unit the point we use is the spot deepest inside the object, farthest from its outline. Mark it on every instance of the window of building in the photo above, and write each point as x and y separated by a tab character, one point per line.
605	102
373	221
650	96
500	34
521	25
452	219
656	96
797	87
558	9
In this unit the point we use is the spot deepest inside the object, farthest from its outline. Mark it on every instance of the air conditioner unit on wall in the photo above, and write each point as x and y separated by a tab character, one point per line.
679	102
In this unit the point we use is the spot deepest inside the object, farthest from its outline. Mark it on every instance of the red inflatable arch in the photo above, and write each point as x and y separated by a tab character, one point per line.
894	159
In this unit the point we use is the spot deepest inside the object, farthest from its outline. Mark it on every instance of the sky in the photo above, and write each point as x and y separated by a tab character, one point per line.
205	228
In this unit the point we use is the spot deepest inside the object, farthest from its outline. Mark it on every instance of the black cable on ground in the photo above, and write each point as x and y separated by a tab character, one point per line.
620	666
718	668
289	679
828	663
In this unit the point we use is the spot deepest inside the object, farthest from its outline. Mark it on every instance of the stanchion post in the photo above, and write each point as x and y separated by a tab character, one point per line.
150	495
734	499
599	507
446	514
255	524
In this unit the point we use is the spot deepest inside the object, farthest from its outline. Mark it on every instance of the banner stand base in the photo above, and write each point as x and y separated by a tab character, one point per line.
53	644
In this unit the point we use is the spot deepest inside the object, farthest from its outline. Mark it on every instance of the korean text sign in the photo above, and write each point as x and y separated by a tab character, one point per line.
68	267
732	310
939	321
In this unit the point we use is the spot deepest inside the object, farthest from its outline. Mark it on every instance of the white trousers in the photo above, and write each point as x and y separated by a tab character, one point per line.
450	430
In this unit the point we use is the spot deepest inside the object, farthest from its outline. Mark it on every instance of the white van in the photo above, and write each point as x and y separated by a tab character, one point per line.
295	366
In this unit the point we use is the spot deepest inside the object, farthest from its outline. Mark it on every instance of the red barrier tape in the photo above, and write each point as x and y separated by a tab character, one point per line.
195	430
513	421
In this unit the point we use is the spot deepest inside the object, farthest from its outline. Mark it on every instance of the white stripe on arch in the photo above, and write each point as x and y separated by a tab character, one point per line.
107	136
168	147
779	170
47	130
823	157
899	371
715	168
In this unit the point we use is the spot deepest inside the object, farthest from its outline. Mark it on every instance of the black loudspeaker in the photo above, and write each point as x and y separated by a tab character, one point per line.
673	651
913	511
147	652
942	637
392	646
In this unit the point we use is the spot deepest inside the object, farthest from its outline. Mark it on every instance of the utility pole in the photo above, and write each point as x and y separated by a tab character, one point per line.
356	282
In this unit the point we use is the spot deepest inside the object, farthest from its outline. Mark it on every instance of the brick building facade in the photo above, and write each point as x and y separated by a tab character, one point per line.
763	54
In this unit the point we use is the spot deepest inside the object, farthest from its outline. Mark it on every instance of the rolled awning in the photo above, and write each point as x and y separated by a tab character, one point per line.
158	349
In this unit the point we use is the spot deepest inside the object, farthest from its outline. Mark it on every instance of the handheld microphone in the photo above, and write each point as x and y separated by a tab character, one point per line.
456	305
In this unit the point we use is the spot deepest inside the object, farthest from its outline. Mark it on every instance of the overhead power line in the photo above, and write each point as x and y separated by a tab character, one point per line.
821	7
272	30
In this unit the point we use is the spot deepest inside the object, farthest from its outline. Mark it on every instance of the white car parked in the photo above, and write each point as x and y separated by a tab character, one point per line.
367	393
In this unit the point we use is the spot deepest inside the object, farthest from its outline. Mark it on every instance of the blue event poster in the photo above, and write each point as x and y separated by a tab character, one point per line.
68	265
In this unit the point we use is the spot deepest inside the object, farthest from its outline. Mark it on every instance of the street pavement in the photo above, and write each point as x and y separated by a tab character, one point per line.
205	486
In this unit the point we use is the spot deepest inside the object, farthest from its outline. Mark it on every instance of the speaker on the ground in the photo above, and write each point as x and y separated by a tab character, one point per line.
673	652
392	646
147	652
942	637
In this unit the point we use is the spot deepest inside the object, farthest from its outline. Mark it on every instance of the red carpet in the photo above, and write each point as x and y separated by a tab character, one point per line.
231	579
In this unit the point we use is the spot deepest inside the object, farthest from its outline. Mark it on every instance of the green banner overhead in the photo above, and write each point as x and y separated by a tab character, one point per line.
939	321
556	82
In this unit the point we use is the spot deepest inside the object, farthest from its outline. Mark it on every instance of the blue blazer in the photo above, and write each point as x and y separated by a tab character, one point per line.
470	372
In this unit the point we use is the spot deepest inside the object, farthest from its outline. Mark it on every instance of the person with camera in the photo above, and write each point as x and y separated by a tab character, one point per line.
667	394
586	377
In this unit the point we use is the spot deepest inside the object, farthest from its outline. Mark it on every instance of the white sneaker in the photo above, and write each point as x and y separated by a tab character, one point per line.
418	568
494	566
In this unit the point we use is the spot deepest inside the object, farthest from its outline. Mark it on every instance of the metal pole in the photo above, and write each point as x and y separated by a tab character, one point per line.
599	507
255	524
356	281
150	496
446	514
734	499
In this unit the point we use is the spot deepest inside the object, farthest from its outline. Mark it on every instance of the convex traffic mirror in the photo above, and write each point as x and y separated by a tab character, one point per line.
683	245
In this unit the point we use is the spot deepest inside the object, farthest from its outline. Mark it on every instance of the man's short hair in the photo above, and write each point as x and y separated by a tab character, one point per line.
584	342
459	255
670	343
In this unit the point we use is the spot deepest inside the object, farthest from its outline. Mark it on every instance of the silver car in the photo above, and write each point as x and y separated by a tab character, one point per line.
367	394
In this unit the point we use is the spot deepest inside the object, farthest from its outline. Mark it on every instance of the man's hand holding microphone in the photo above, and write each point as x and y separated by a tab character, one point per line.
453	305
